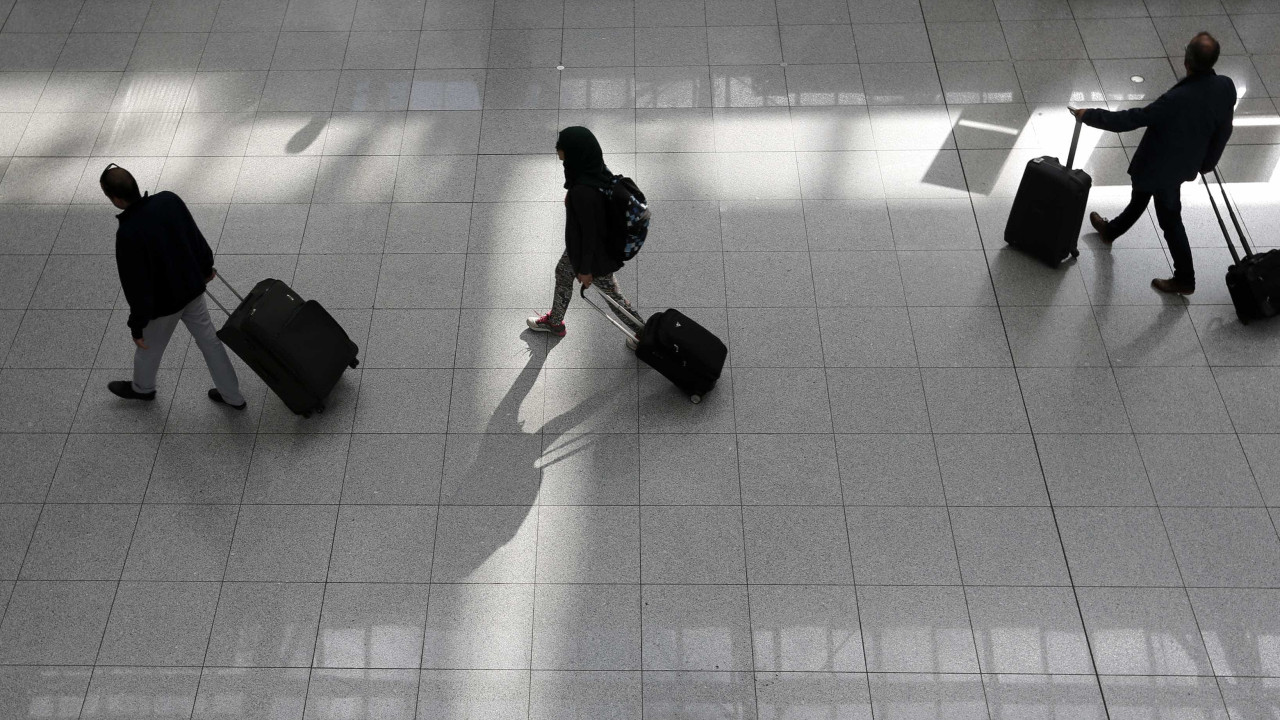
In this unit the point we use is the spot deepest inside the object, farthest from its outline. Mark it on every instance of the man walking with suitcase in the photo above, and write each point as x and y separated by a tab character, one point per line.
1187	130
164	263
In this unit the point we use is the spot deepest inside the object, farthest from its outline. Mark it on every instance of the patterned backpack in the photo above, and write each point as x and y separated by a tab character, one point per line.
628	217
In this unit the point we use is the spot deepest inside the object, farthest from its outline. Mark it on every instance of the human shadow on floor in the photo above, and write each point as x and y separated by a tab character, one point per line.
501	472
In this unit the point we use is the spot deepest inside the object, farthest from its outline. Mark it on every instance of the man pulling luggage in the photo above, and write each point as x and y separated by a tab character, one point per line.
164	263
1187	130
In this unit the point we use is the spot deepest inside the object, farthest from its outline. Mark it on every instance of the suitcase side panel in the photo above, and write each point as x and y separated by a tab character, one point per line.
316	347
683	351
689	380
282	382
1254	285
676	330
296	347
1048	210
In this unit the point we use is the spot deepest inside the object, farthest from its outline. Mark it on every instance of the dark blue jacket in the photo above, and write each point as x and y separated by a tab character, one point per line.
163	259
1187	129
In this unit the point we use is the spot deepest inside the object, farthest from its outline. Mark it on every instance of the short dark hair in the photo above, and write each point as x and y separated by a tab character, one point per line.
119	183
1202	52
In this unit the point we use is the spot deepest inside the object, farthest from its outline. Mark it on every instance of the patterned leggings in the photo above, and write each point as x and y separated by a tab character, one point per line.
565	277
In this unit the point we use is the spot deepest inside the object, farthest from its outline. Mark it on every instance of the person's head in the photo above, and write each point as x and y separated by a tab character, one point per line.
1202	52
583	159
119	186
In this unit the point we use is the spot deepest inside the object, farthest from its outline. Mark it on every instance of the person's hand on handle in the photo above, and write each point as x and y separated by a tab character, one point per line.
1077	112
140	343
585	280
212	274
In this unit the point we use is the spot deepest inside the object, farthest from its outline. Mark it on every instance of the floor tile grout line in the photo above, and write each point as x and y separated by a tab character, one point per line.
1089	296
536	507
844	511
642	432
337	515
733	382
635	146
439	492
239	505
444	459
960	506
58	464
1027	417
524	583
1271	517
932	434
1177	564
124	562
603	671
1160	513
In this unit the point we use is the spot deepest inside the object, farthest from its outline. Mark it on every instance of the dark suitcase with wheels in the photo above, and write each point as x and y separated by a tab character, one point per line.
1254	280
684	352
1049	208
294	345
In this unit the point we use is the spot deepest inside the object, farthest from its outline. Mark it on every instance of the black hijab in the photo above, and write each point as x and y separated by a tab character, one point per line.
583	158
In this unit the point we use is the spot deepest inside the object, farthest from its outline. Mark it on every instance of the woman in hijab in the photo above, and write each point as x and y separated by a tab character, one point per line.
586	256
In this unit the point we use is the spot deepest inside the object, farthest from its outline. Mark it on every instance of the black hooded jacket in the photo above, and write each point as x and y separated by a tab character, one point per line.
586	234
163	259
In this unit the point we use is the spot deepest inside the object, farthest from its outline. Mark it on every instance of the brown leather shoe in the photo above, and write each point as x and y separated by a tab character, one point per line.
1173	286
1099	224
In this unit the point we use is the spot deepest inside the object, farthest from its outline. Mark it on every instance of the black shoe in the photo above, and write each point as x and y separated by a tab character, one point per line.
124	389
1099	224
216	396
1173	286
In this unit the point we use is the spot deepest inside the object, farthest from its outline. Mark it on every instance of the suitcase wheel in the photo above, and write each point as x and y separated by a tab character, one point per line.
695	399
353	364
1075	253
1243	319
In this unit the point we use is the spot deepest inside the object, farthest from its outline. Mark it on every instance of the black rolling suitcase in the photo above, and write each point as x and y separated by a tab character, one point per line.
294	345
1049	208
684	352
1254	280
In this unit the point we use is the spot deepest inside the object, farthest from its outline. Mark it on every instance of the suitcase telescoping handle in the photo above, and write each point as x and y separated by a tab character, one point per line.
1075	140
215	298
616	305
1244	242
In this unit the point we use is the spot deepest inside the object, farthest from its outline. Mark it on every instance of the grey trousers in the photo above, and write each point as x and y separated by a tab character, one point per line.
156	335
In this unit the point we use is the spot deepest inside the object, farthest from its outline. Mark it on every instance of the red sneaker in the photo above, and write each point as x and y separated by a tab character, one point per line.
544	324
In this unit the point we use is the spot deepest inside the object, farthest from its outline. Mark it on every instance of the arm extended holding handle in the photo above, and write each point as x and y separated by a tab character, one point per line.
618	307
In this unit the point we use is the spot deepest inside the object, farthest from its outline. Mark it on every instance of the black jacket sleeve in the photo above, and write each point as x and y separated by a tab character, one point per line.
1217	144
135	279
199	246
1126	120
584	219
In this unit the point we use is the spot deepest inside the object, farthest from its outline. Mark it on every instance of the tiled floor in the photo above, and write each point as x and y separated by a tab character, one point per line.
938	481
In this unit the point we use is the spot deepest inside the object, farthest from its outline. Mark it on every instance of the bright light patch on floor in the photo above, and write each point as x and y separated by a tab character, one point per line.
989	127
1256	121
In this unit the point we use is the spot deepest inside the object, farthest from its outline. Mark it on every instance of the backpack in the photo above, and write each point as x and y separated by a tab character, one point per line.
627	217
